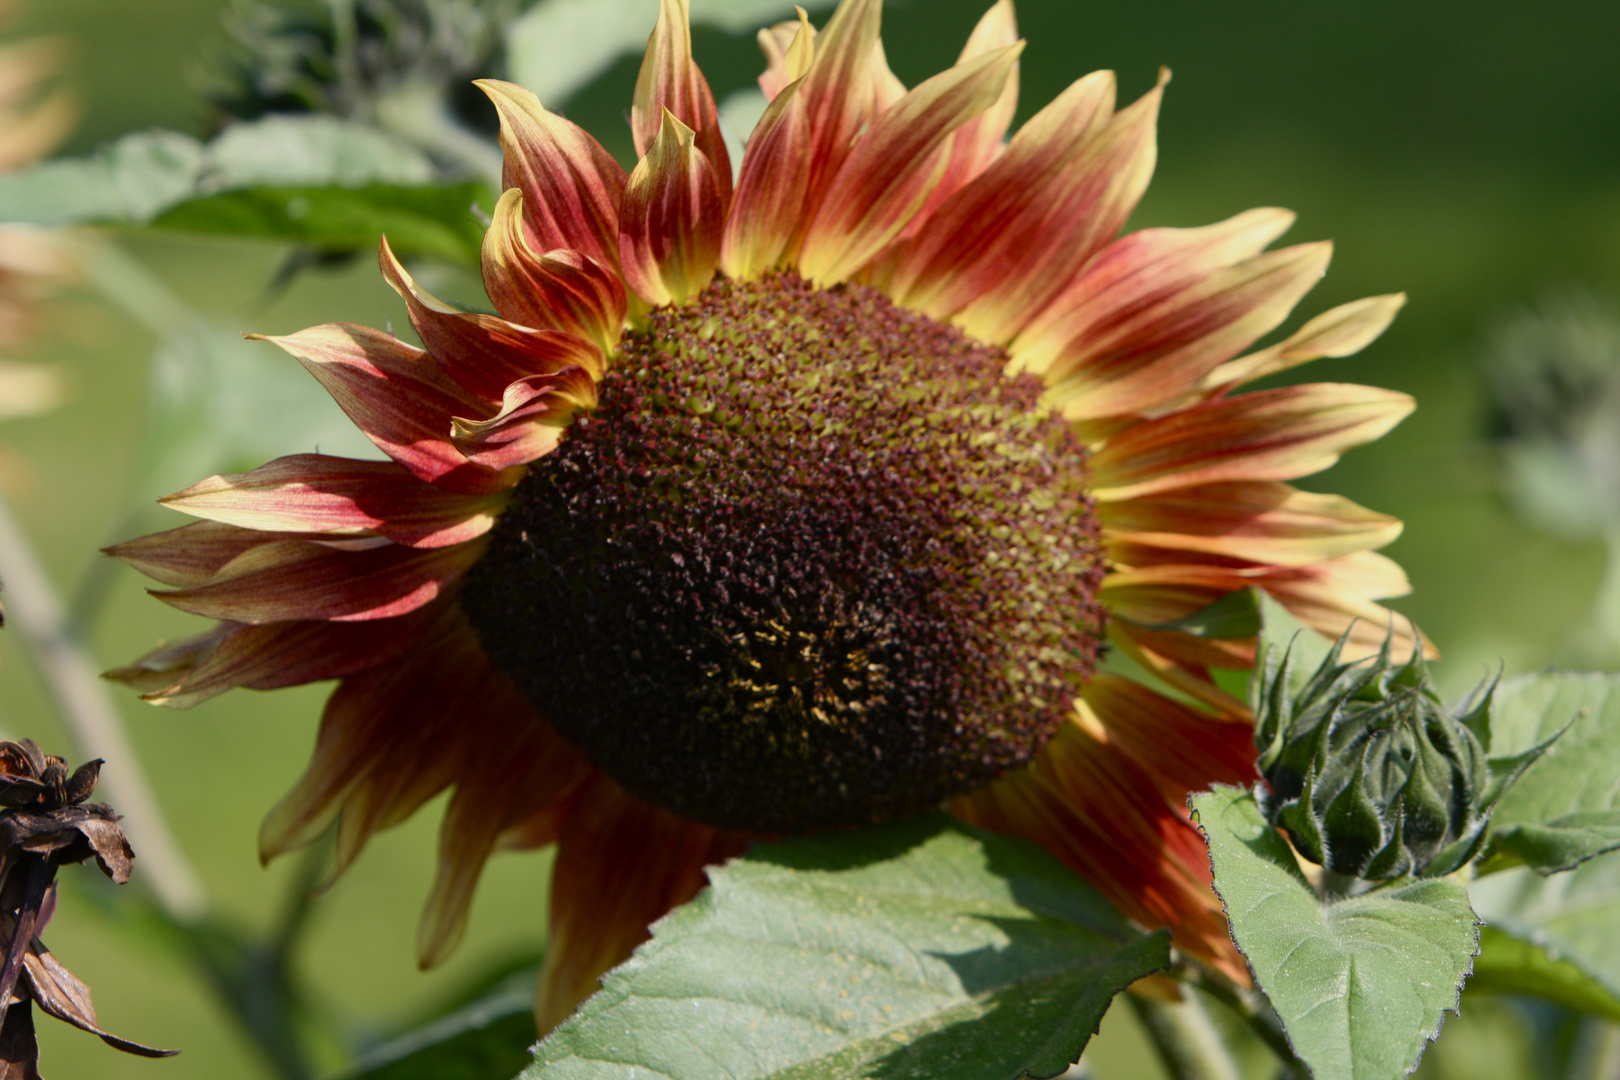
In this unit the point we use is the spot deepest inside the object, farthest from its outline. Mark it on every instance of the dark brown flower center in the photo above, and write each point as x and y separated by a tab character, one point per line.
815	561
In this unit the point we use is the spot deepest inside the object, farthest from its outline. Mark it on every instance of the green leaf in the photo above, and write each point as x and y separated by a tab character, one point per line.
1574	917
1360	984
1566	807
1510	965
436	221
1235	615
919	949
142	175
488	1039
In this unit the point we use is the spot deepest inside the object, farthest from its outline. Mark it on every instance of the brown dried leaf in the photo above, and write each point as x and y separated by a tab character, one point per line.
60	993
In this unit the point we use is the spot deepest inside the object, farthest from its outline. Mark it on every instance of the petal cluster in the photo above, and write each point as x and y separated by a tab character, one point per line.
323	568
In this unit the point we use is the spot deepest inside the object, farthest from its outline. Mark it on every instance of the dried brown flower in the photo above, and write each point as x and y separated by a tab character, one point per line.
46	823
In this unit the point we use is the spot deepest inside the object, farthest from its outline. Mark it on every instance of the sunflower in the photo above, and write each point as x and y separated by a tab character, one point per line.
878	477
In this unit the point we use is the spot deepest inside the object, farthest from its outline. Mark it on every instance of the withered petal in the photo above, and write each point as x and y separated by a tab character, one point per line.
19	1049
60	993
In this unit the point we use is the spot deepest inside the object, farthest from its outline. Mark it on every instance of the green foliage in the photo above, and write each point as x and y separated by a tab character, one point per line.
1510	965
1360	983
435	221
488	1039
918	949
1574	916
1566	808
322	181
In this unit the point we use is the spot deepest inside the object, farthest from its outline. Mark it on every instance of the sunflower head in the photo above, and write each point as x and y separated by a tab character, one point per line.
798	495
835	564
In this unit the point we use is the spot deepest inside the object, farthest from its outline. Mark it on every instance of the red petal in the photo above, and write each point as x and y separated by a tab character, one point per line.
198	553
895	164
311	493
397	396
532	419
571	186
978	142
483	353
560	290
1268	435
1262	521
316	582
670	79
673	217
771	190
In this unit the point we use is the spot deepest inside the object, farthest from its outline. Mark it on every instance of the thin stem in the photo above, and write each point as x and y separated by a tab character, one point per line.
1249	1007
93	720
1188	1044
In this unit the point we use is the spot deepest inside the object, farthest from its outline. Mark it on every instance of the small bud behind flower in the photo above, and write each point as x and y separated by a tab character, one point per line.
1369	773
45	824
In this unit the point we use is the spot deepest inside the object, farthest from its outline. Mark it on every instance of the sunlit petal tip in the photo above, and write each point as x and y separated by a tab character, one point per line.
888	175
1341	331
670	80
673	218
561	290
571	186
789	47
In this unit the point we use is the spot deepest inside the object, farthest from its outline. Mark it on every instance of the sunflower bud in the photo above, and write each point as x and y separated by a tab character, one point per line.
1370	774
45	823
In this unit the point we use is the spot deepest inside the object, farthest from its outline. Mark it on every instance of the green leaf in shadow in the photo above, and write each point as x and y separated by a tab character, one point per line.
920	949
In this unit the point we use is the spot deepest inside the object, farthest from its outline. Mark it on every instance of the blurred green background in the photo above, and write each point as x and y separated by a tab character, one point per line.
1467	153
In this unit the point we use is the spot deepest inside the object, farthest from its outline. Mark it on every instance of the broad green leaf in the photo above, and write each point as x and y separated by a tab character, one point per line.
921	949
436	221
1360	984
1573	916
142	175
1510	965
1566	807
488	1039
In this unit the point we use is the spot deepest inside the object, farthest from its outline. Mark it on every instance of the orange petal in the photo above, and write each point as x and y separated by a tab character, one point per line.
621	864
1092	806
840	99
1342	331
891	170
483	353
670	79
312	493
1194	679
396	729
1116	363
673	217
1267	435
560	290
396	396
1011	242
1262	521
771	189
534	413
1137	281
1185	750
978	141
512	775
1017	193
571	186
315	582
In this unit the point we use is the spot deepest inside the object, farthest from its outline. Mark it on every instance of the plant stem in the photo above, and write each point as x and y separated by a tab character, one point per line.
93	721
1188	1044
